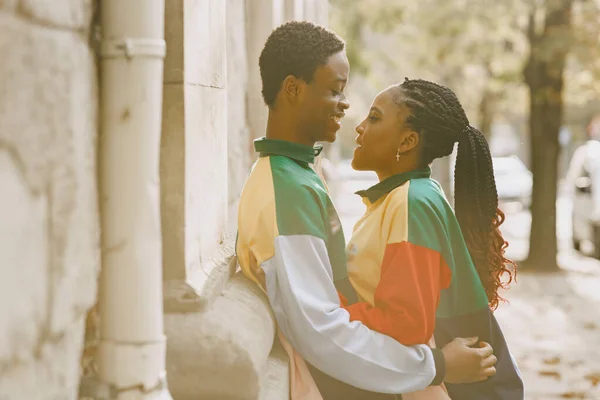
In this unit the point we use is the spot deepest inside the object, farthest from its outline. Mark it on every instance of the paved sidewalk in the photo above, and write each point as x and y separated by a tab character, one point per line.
552	325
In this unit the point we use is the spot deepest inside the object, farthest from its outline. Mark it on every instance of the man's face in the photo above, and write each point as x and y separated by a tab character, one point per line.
324	102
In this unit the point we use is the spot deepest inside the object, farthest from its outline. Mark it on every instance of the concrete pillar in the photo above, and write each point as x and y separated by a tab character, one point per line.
220	330
322	12
294	10
238	133
310	10
262	16
194	140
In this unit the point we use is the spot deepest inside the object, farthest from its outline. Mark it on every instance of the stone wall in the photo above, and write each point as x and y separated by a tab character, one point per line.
221	334
49	229
239	141
219	326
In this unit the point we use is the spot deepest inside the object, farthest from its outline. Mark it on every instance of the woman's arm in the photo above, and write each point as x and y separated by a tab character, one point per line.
407	295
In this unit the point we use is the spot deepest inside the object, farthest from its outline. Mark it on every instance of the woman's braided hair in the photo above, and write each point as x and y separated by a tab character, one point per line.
440	120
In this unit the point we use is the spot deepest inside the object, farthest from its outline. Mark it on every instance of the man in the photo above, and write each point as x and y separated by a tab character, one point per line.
583	186
290	240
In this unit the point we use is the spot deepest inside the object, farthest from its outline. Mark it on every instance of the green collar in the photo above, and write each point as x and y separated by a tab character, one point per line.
382	188
295	151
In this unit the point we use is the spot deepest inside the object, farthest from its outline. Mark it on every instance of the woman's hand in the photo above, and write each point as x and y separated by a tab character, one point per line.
467	364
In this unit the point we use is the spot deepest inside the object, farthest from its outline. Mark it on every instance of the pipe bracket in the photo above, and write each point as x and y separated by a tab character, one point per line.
133	48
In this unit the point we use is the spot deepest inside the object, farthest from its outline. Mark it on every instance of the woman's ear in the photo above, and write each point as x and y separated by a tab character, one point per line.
409	140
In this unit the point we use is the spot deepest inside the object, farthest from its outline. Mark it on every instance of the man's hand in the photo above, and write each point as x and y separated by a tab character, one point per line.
465	364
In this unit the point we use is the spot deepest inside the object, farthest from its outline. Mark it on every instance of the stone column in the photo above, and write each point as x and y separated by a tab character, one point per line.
322	12
219	328
194	140
294	10
239	141
262	16
310	10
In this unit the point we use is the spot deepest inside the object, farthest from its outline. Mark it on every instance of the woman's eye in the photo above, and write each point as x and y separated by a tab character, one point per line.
335	92
373	118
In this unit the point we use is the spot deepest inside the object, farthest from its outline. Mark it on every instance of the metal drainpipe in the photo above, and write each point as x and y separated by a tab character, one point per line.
131	354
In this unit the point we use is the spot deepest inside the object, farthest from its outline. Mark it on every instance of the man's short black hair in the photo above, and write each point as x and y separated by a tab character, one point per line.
296	48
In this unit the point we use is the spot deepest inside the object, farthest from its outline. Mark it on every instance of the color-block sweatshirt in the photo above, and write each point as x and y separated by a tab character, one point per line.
290	243
411	268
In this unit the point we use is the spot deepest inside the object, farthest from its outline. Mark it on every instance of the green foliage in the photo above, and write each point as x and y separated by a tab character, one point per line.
483	45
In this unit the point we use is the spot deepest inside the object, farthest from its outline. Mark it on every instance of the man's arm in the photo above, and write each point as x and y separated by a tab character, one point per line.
307	309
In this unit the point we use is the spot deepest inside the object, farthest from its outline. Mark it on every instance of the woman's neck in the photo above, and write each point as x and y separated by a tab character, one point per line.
399	167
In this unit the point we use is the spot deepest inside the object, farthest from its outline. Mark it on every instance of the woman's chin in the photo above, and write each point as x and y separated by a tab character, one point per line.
356	165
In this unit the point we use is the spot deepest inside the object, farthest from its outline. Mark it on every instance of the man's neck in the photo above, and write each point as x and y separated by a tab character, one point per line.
286	128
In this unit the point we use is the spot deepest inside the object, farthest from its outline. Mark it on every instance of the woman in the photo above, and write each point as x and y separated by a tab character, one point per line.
422	270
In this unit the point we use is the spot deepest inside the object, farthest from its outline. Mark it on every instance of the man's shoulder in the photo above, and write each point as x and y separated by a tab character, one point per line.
299	197
296	183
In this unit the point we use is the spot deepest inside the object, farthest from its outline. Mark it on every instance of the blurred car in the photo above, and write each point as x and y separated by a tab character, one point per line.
514	181
583	185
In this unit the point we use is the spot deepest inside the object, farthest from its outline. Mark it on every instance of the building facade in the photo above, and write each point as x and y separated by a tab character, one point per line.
51	206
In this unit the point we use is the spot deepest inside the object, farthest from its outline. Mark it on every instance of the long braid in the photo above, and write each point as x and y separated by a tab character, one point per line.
439	118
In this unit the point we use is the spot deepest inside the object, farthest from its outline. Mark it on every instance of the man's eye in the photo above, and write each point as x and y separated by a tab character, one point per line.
335	92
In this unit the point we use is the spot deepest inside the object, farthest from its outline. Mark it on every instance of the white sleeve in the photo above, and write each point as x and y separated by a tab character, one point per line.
575	169
594	171
307	309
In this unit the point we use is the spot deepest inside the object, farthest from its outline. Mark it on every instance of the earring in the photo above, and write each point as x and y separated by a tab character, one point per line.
398	155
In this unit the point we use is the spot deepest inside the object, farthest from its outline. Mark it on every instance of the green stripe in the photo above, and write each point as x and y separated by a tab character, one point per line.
432	224
303	207
300	198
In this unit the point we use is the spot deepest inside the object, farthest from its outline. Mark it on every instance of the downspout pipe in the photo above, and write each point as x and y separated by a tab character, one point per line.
132	349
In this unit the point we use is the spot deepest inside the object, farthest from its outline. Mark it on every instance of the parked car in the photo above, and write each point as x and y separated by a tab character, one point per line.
583	185
514	181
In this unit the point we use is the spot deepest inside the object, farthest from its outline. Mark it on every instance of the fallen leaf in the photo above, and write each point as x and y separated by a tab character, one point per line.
594	379
573	395
552	361
550	374
591	326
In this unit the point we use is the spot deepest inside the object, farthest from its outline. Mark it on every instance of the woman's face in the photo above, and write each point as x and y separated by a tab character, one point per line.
382	135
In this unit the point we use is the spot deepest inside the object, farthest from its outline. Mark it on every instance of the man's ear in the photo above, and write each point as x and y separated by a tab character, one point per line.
409	140
292	88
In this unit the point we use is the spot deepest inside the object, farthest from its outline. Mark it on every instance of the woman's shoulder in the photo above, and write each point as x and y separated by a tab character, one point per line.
418	195
426	191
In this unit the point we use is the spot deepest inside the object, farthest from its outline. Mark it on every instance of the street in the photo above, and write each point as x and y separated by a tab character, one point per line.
551	320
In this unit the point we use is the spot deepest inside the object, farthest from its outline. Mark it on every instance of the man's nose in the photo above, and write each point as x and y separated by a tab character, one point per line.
344	102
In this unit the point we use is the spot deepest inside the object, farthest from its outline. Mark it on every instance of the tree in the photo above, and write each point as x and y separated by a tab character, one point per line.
553	39
549	35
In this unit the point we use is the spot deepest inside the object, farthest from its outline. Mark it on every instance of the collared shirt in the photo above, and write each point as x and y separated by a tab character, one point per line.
290	242
414	276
